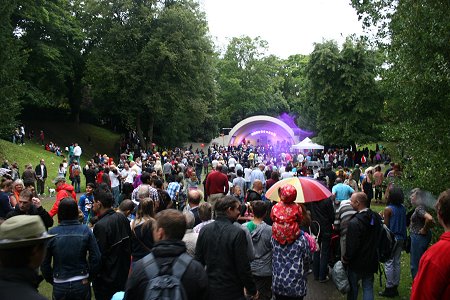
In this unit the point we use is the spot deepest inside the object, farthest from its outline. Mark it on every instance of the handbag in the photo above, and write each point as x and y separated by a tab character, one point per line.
407	245
315	237
340	278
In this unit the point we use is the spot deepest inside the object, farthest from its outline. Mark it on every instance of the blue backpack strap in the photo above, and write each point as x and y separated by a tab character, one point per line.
150	266
180	265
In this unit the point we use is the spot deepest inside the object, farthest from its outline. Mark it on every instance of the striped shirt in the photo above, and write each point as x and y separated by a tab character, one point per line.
343	215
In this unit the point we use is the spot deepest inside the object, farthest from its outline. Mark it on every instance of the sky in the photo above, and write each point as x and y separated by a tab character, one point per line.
289	26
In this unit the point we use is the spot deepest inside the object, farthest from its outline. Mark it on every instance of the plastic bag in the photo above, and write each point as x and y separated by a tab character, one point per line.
340	278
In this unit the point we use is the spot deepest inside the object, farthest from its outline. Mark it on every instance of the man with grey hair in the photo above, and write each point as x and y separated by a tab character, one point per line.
190	237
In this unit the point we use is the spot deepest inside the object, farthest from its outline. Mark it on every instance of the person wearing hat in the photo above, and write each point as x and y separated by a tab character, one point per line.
22	249
63	190
29	205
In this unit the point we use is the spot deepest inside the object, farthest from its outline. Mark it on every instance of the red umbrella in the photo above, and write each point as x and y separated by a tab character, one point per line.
308	189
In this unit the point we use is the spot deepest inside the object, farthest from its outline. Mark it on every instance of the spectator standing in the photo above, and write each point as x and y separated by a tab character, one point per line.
261	234
114	177
5	190
421	223
77	153
170	227
71	250
341	191
41	176
75	172
86	201
63	190
142	230
18	276
112	232
395	219
29	176
222	248
361	247
432	279
216	185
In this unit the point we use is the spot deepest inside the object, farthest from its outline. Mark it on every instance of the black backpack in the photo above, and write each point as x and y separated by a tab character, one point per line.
386	244
165	286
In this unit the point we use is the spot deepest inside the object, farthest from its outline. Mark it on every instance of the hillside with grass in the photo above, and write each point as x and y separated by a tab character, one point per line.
62	134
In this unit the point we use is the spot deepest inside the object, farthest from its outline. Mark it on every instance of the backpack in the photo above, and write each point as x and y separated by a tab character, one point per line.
165	286
76	171
386	244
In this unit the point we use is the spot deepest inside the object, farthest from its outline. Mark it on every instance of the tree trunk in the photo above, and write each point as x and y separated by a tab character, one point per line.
139	130
151	121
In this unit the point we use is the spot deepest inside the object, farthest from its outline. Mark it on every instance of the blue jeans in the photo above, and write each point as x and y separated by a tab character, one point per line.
320	259
73	290
116	195
419	244
367	285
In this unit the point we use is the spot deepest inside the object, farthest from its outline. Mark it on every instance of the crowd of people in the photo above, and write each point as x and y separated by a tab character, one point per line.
202	220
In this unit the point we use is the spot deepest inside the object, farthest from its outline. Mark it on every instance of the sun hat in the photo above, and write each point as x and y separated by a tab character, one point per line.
22	231
58	179
288	193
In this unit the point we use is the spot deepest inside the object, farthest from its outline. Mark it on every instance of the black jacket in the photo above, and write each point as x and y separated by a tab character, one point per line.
194	279
322	212
19	284
33	211
90	175
362	242
113	233
222	248
37	170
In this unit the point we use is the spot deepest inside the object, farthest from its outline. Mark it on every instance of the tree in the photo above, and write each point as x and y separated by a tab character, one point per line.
249	81
12	61
152	65
52	36
343	100
415	38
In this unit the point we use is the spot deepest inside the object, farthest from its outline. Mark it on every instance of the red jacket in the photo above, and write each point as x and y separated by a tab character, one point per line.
433	278
216	183
63	191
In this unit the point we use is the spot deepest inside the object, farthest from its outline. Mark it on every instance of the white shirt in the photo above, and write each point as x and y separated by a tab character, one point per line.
77	151
247	174
114	179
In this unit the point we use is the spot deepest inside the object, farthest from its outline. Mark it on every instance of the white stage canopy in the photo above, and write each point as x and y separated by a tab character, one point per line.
307	144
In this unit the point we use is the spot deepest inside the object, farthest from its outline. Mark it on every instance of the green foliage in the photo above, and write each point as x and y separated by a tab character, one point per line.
343	99
52	36
12	60
249	82
153	64
418	82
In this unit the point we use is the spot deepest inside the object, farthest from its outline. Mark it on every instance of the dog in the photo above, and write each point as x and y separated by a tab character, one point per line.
51	192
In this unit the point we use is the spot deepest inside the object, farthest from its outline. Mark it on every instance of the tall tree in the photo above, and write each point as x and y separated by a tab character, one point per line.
415	35
52	36
152	65
12	61
249	81
343	98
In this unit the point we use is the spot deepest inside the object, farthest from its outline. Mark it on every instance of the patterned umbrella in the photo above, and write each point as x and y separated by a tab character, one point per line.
308	190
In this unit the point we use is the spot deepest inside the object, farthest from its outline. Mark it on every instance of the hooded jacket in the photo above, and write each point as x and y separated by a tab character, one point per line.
362	242
63	191
261	265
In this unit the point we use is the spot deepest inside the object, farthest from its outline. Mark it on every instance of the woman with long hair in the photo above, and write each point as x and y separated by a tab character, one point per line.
367	185
395	220
419	228
141	229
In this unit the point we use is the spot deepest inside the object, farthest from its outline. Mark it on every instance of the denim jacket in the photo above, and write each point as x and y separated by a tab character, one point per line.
69	250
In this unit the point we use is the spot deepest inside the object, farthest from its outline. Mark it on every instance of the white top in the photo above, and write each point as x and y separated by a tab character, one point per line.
247	174
77	151
114	179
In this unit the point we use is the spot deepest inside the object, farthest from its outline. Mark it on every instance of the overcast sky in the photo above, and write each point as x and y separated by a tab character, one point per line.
289	26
